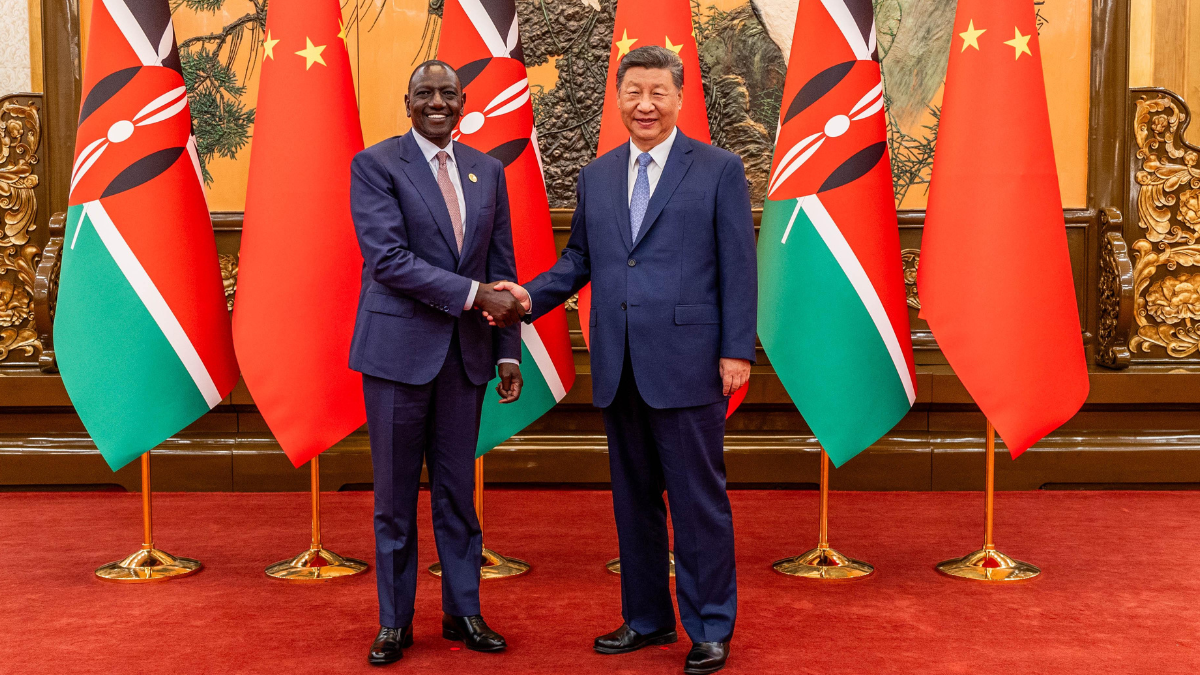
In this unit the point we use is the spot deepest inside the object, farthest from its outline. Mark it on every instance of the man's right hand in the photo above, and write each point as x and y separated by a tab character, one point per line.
499	307
518	292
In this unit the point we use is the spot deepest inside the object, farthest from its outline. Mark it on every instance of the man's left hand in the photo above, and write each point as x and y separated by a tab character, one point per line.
734	373
511	381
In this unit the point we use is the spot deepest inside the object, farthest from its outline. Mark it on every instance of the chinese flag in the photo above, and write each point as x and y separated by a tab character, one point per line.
666	23
995	277
299	268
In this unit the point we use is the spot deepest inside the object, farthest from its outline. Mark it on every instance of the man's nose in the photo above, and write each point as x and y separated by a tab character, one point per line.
646	105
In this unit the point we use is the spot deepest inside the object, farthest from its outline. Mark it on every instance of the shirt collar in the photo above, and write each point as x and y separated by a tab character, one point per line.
658	153
430	149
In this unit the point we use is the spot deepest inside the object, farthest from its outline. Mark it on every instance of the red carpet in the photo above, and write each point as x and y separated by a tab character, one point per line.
1117	594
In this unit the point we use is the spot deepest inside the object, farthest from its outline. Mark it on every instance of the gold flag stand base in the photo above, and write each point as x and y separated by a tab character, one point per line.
614	565
495	566
148	564
988	564
823	562
317	563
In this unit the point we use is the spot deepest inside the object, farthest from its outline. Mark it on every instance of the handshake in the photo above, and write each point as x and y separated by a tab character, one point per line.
502	303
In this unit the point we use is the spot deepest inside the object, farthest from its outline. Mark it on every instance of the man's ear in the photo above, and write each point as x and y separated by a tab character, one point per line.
407	108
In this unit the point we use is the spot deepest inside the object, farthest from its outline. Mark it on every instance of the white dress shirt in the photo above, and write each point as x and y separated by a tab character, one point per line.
658	157
430	150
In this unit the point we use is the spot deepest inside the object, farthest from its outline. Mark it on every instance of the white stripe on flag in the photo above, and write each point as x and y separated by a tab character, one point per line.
840	248
132	30
537	349
845	22
148	293
486	29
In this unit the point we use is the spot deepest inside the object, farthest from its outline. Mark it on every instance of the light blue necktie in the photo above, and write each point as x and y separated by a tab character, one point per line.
641	194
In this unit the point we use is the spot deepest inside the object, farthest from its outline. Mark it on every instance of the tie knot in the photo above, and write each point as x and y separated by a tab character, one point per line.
644	159
442	156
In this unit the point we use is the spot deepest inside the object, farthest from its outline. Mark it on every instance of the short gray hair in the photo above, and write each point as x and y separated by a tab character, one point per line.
654	57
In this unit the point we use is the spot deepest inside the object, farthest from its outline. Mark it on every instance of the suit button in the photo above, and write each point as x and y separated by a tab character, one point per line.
622	305
632	262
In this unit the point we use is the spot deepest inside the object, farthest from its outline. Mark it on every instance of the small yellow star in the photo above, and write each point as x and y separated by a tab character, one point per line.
971	36
1020	43
311	54
269	45
674	48
342	31
624	43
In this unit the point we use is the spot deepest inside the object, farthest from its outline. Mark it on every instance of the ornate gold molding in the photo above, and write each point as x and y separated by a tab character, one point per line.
20	137
1116	293
910	258
229	273
1166	306
45	291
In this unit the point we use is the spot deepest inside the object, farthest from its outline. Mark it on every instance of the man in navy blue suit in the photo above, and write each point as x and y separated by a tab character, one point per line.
432	220
663	230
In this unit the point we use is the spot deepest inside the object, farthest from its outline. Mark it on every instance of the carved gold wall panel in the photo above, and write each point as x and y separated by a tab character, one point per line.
1166	292
20	243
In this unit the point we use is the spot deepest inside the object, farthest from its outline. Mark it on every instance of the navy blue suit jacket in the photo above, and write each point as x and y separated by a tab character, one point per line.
415	283
685	293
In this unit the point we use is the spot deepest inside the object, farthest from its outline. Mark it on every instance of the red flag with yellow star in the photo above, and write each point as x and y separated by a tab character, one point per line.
995	277
299	268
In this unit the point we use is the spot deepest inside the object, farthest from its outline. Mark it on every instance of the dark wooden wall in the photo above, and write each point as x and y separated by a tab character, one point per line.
1139	428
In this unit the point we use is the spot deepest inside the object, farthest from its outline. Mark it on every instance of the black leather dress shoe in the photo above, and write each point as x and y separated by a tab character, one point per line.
473	631
625	639
389	645
706	657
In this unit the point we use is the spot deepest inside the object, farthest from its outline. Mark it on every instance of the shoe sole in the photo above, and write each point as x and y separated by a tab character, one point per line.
455	636
669	638
702	671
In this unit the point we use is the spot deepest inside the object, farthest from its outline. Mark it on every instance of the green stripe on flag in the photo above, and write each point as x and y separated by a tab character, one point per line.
500	422
123	376
820	338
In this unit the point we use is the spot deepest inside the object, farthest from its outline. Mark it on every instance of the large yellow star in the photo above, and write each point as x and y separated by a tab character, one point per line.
674	48
971	36
311	54
1020	43
268	46
342	31
624	43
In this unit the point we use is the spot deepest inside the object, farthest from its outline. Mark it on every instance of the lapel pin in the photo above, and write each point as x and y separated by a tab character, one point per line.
473	178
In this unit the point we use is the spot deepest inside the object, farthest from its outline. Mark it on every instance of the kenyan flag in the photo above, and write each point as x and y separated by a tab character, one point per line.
480	40
832	308
141	329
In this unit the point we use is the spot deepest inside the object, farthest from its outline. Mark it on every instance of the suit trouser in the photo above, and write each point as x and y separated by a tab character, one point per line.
681	449
437	422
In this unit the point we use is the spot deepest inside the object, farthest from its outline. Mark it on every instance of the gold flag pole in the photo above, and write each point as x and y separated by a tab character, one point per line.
988	564
823	562
317	563
495	566
149	563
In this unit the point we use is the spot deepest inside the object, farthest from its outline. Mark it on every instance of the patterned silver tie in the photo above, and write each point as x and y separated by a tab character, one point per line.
641	194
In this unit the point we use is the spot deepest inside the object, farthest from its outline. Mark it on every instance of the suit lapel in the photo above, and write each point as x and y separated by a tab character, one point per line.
471	198
619	181
677	166
422	178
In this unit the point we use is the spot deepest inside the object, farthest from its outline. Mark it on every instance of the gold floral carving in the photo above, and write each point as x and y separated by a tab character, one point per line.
572	303
229	272
910	258
1166	306
45	291
20	135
